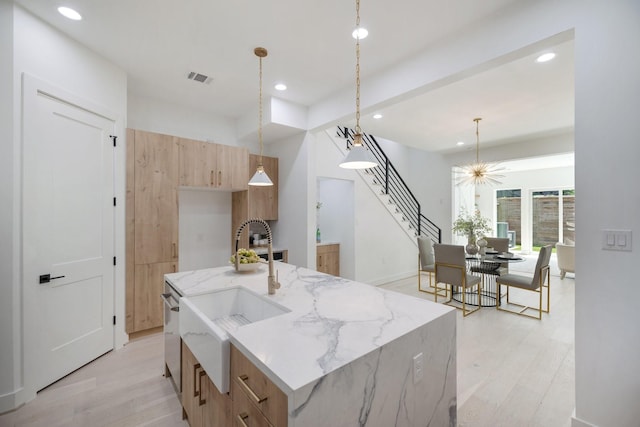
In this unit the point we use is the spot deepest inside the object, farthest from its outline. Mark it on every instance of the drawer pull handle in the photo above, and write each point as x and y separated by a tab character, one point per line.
241	417
211	179
196	392
243	382
201	401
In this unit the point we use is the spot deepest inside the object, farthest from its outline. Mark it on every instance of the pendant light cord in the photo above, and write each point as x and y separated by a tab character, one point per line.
260	114
358	130
477	120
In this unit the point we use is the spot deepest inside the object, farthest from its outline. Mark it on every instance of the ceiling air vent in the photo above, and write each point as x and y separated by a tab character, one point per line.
199	77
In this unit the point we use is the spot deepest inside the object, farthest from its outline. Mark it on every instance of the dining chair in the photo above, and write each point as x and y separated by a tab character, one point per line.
451	269
540	280
426	263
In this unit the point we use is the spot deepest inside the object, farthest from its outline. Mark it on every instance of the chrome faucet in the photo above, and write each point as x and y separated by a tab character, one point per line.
273	283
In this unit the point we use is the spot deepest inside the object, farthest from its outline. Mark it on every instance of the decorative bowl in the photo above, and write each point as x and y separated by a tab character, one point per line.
250	267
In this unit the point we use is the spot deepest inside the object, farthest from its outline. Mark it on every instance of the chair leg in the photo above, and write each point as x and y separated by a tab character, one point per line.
562	274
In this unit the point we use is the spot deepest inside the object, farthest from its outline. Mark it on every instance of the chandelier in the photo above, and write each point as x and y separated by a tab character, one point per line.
479	173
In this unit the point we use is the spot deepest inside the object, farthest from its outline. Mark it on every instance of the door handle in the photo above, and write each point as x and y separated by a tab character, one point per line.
46	278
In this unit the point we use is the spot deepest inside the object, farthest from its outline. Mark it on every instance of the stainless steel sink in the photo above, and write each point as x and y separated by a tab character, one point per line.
206	319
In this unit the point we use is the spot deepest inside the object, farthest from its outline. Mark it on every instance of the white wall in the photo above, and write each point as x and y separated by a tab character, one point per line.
204	228
171	119
40	51
294	229
10	339
382	250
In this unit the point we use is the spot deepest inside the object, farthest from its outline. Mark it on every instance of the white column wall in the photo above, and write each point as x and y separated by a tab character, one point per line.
607	173
294	229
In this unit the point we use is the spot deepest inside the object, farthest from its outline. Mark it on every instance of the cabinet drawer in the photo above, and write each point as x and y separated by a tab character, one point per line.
250	383
246	413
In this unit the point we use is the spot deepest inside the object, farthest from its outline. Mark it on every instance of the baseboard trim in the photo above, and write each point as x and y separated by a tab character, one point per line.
577	422
10	401
393	278
144	333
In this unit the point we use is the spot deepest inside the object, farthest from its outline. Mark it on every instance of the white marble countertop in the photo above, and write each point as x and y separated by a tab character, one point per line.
333	321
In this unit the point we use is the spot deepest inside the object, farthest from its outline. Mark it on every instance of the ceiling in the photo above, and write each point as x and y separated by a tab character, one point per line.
158	42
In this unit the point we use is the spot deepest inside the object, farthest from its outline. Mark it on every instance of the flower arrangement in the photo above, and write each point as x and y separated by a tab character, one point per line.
472	226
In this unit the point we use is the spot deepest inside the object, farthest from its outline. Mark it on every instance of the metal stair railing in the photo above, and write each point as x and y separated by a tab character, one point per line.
394	186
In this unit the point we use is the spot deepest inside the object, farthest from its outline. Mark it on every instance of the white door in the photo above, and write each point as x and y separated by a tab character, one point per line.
68	220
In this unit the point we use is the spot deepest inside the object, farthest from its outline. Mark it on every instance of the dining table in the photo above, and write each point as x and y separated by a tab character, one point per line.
488	266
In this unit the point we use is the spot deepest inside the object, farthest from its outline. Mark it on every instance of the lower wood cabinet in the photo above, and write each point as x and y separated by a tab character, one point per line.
328	259
202	403
257	401
148	285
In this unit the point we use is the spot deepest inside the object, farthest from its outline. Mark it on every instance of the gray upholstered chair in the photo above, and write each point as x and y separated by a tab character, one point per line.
426	262
500	244
537	283
451	269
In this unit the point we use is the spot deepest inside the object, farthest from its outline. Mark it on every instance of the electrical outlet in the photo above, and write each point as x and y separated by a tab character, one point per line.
418	368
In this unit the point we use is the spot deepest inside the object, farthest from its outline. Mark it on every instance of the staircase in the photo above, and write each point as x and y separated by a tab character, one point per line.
390	188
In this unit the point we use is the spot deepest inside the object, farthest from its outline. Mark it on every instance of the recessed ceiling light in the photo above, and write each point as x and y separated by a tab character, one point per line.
360	33
67	12
377	116
460	143
281	86
546	57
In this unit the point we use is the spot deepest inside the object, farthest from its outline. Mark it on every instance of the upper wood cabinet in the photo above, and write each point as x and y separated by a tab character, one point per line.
204	164
156	198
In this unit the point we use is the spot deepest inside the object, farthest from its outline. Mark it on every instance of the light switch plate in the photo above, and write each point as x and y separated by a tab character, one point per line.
616	240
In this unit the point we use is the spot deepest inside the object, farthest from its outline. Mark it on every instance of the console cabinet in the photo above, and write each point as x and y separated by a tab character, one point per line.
328	259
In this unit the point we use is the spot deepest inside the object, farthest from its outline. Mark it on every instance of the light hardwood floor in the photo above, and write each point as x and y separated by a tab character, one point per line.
512	371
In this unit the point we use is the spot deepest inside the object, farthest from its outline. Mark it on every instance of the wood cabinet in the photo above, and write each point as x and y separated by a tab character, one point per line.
157	165
257	401
202	403
256	202
156	198
203	164
151	225
328	259
148	286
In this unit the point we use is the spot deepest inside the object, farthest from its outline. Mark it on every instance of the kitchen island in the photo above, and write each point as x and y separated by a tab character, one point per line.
347	353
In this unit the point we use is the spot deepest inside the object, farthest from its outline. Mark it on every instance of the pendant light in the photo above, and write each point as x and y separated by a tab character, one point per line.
358	157
480	173
260	178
